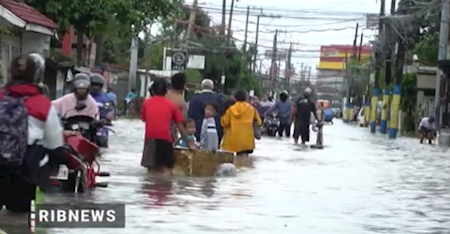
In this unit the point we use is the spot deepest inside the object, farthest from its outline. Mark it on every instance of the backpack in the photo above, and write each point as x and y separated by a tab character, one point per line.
13	129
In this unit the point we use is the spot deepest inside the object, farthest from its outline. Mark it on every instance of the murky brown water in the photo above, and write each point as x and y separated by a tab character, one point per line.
358	184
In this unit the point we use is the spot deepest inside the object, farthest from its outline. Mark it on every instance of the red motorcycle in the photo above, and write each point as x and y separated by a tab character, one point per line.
79	167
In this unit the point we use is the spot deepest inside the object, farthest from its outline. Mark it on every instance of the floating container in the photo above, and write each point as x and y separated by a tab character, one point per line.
200	162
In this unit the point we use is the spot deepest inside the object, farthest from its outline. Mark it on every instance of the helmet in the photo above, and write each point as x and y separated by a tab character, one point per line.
97	79
38	66
81	81
30	67
431	119
307	92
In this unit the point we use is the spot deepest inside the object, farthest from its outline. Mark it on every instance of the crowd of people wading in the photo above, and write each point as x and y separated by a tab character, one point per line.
212	121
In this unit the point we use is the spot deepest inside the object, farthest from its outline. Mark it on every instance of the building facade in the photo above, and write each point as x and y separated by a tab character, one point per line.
27	30
332	66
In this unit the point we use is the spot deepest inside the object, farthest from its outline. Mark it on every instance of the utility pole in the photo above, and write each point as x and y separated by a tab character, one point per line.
376	88
230	20
360	48
246	29
309	74
347	115
288	66
443	40
388	39
274	58
354	58
147	52
255	53
302	72
354	42
224	14
191	19
399	66
347	74
133	63
388	47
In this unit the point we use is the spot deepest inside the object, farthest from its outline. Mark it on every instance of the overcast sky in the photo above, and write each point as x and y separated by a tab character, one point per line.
336	23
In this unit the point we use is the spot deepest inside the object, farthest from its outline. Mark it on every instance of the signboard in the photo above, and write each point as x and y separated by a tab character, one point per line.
372	21
281	55
179	60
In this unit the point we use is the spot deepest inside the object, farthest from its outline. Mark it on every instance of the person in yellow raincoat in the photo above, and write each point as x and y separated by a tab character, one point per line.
237	122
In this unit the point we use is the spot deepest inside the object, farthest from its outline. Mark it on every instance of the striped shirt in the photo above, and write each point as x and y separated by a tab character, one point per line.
209	139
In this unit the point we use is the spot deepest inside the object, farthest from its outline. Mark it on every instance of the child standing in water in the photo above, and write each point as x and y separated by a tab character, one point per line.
190	128
209	139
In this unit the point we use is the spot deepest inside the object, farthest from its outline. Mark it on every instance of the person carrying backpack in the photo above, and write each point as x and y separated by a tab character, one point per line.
30	130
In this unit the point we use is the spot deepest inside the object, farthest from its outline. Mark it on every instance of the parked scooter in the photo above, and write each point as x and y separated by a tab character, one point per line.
271	124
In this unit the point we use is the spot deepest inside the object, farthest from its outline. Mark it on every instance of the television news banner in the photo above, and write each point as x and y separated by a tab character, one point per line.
80	215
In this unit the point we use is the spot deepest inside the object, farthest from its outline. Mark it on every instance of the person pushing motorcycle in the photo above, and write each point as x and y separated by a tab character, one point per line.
427	129
31	134
301	116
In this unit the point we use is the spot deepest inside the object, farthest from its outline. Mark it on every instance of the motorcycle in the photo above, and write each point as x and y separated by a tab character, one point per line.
271	124
78	167
102	135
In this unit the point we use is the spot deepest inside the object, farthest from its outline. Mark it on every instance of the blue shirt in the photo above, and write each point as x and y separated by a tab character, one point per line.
183	143
130	96
112	97
284	111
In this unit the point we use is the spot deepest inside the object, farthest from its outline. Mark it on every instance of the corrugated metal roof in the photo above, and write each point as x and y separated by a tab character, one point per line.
28	13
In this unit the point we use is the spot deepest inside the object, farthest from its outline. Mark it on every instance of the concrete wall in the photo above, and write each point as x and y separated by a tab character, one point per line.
35	42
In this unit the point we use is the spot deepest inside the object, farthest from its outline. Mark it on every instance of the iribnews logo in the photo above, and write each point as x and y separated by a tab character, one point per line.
84	215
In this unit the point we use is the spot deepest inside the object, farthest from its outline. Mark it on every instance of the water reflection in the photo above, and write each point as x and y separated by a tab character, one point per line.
360	183
158	189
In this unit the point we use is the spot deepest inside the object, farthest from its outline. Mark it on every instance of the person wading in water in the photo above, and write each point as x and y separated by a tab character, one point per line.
302	116
158	113
176	95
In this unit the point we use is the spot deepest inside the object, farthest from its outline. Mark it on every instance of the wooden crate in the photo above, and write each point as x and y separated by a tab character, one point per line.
200	162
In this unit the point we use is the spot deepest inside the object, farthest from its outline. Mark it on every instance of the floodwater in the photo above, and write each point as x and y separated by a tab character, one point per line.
358	184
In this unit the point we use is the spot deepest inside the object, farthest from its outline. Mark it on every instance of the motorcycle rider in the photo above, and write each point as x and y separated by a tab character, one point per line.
65	105
97	84
42	128
283	108
301	116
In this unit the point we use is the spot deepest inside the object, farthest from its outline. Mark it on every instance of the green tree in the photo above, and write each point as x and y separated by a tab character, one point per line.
89	17
427	49
420	29
219	58
409	101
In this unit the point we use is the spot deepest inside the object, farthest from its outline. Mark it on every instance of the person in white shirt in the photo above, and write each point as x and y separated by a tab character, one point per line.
209	138
265	104
427	129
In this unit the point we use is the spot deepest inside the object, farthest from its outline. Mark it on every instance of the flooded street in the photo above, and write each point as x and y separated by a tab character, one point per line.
358	184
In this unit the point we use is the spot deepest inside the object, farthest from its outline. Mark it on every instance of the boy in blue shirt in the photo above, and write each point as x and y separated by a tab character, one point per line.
190	129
